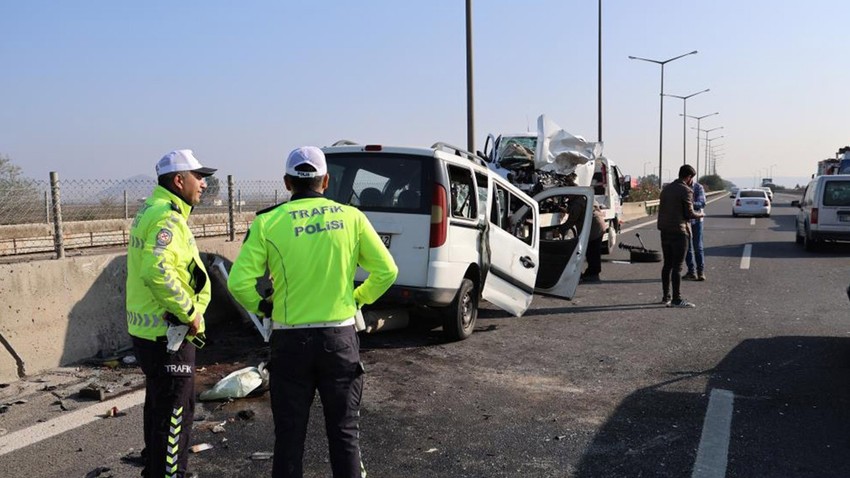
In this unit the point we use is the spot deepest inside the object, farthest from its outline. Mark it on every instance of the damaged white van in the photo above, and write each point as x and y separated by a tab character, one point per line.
459	232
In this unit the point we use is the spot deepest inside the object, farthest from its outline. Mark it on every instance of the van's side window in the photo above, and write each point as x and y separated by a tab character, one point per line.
481	181
512	214
464	195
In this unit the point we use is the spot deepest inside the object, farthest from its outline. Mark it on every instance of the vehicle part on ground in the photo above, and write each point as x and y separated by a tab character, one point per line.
640	253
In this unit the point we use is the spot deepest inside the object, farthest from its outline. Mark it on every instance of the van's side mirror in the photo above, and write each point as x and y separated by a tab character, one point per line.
627	186
795	203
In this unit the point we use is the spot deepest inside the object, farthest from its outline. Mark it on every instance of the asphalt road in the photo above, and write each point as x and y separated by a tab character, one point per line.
751	383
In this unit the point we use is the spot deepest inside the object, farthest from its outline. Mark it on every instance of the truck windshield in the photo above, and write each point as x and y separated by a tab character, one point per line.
514	149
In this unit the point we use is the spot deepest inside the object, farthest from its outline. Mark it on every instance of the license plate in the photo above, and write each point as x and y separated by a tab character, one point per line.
843	218
753	203
385	238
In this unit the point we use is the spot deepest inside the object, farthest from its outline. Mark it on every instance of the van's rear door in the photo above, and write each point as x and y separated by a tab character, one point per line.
513	241
393	190
565	216
835	206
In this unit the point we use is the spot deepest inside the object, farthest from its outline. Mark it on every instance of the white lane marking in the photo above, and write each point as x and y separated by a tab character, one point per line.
745	258
638	226
713	452
69	421
752	221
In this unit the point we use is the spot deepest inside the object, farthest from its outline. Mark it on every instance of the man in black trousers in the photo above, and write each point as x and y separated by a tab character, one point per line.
675	211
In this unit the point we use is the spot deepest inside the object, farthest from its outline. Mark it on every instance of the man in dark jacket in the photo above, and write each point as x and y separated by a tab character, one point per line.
675	211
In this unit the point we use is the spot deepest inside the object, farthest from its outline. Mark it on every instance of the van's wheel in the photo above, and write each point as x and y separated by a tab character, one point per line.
809	243
797	237
459	319
611	244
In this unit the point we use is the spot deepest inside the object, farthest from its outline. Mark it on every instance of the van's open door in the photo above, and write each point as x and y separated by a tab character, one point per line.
513	239
565	216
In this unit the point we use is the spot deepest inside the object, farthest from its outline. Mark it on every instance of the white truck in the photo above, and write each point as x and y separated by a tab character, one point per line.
534	169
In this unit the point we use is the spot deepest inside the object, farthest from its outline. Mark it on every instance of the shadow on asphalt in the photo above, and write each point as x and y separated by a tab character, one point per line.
594	308
630	281
781	250
791	415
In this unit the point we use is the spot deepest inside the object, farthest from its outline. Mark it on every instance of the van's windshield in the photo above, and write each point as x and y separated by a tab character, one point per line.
380	181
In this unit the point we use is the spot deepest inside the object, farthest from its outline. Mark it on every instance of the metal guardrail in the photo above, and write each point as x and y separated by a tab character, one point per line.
651	206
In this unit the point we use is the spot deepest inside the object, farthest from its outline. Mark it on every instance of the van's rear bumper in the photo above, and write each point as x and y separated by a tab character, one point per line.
831	235
399	295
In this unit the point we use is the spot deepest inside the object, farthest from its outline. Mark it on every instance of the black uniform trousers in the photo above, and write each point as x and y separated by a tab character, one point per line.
302	361
169	406
674	247
594	256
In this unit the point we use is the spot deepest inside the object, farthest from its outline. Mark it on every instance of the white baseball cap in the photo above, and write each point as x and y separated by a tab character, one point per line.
306	155
181	160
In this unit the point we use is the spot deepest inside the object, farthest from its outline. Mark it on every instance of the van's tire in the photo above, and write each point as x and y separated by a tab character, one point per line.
611	244
645	256
809	243
797	237
460	316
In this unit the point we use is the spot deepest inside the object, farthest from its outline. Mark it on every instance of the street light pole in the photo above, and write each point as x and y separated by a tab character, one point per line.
706	131
708	145
699	118
661	109
684	116
599	73
470	111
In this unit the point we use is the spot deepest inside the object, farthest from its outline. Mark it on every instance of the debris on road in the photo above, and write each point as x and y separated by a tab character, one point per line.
238	384
200	447
93	392
99	472
246	414
219	428
113	413
262	455
430	450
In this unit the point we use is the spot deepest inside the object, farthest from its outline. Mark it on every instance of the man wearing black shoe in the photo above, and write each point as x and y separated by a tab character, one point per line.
675	211
594	246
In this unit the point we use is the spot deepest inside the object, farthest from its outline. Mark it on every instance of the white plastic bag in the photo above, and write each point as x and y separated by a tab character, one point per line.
238	384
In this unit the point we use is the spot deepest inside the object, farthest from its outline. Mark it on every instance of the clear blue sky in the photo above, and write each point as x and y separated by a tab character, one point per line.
101	89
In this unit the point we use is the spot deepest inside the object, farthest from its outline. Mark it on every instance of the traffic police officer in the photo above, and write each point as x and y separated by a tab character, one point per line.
167	281
311	247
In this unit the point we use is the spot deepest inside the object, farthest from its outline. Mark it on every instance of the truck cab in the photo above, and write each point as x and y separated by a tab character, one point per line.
550	158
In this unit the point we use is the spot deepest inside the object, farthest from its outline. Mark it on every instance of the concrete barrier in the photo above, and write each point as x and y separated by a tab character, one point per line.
58	312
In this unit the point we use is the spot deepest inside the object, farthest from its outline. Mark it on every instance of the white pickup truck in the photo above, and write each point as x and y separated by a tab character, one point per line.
534	169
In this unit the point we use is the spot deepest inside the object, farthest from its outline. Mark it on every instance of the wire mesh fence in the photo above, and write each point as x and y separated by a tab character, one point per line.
95	212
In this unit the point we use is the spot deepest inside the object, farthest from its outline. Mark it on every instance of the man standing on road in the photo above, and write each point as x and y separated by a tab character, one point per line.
311	247
695	259
675	211
167	283
594	246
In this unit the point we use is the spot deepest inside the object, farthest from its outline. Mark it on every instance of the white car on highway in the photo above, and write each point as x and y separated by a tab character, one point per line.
751	202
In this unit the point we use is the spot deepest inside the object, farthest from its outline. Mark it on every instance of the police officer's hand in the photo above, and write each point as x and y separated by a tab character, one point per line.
195	324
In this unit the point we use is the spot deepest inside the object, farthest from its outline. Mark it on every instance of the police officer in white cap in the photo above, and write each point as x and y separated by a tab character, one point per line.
167	284
312	247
